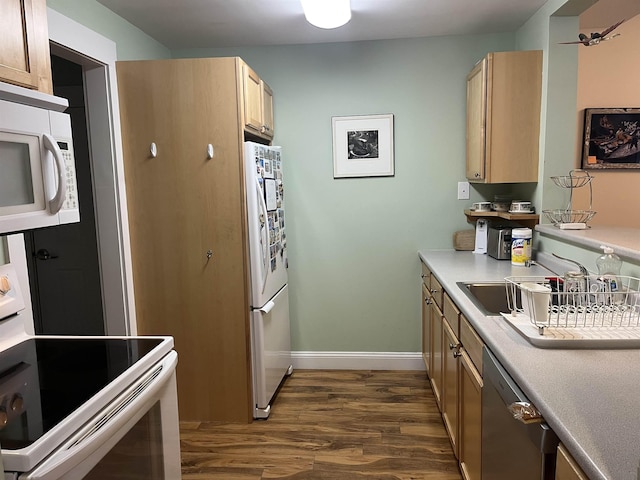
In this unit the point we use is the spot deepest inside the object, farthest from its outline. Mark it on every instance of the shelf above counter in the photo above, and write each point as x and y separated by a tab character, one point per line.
527	219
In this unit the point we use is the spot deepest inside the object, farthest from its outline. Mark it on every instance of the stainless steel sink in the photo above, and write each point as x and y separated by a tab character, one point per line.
489	297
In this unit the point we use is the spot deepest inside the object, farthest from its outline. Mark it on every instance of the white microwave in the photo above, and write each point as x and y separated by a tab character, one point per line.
37	166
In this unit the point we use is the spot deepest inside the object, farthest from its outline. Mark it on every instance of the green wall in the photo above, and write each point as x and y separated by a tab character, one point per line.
354	269
4	256
131	42
559	113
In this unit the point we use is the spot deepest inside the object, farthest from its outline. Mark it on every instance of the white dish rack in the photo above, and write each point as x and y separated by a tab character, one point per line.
557	305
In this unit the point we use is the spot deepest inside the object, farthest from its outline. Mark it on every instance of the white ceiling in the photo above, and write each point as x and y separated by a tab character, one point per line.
224	23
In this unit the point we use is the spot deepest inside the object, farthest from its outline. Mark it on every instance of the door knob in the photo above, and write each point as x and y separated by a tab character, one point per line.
43	254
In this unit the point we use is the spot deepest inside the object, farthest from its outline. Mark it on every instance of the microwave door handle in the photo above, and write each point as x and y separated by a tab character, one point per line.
55	204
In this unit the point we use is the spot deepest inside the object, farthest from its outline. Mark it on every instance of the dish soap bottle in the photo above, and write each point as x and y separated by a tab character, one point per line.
609	269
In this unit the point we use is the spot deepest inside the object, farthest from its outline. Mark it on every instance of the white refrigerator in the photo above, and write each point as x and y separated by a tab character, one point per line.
270	334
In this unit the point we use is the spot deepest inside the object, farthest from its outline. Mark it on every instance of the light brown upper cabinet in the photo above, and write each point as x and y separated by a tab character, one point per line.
24	36
258	104
503	117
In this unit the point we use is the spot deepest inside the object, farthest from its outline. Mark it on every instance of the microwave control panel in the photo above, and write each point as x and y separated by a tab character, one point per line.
71	197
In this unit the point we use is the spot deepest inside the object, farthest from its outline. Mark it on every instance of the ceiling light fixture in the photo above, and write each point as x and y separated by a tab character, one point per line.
327	13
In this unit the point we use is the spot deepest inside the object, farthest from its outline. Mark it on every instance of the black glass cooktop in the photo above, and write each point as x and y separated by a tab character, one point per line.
43	380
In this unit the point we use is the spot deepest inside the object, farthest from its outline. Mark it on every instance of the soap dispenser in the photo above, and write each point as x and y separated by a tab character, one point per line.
609	268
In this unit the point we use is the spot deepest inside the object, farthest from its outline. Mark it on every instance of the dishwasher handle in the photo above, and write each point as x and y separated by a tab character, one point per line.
525	412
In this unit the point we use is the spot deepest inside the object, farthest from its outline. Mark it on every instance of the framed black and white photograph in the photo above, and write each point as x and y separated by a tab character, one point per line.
611	138
363	146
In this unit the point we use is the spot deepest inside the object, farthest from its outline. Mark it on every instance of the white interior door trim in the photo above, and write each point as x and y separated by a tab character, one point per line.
98	55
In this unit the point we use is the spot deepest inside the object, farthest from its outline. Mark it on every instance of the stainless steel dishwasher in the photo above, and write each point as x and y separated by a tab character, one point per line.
516	442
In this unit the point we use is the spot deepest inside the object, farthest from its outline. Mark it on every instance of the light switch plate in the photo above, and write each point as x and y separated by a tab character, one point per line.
463	190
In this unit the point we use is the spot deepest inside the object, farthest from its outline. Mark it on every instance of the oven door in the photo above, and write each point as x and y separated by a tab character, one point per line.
137	434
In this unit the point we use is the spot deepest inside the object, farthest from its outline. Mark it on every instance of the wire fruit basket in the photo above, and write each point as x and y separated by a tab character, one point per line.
577	178
578	302
559	217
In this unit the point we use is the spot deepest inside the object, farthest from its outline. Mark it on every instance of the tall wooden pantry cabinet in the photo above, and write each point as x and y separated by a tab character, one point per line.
183	133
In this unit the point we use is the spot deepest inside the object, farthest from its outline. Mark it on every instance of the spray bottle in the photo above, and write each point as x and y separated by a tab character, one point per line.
608	272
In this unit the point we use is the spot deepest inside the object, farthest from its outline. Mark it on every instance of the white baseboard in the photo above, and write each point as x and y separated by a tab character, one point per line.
357	360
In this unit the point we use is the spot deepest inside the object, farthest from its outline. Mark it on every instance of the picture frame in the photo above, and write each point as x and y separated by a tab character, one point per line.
363	146
611	138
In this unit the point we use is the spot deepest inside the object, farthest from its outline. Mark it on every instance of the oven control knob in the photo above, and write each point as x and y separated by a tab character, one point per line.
17	403
4	418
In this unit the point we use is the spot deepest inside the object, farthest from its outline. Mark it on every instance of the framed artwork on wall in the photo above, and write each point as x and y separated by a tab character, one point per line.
363	146
611	138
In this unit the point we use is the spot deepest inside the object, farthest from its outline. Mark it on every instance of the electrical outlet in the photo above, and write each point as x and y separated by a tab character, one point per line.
463	190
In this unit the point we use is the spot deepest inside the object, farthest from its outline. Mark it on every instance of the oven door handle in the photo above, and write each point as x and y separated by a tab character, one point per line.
84	450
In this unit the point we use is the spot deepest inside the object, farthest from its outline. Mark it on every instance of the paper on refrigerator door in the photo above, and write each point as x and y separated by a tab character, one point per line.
270	192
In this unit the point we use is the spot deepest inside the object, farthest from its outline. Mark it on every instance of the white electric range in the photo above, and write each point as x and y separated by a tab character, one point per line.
84	407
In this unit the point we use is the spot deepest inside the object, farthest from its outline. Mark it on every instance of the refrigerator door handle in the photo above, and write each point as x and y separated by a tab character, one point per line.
264	234
267	307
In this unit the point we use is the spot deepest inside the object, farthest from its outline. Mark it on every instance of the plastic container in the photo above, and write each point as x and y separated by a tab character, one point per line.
521	246
535	301
609	265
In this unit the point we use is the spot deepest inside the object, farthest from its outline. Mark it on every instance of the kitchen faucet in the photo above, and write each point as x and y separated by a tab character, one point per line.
583	269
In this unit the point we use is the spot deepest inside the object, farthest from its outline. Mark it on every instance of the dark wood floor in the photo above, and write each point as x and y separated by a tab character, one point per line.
335	425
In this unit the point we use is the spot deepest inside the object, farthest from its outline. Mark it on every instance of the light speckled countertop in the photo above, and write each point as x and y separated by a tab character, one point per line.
590	398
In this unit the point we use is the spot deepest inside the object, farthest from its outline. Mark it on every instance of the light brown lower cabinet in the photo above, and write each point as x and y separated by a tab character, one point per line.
470	419
450	379
426	328
452	351
436	352
566	466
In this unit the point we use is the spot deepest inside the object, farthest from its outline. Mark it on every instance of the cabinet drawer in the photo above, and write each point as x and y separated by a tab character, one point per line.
471	342
452	314
436	291
426	275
